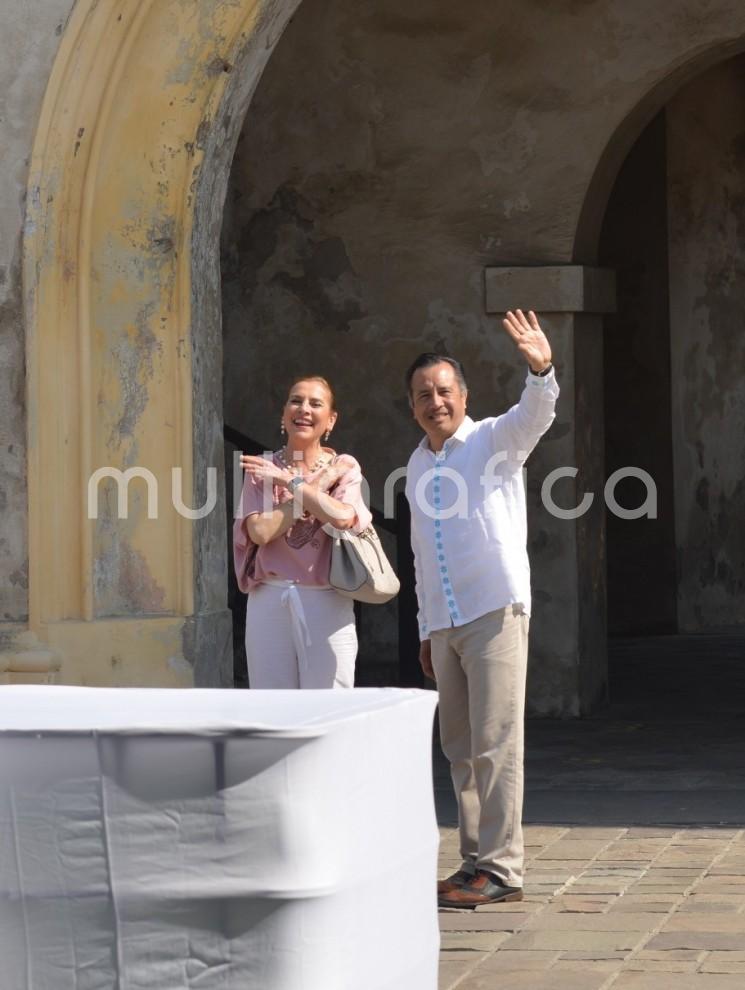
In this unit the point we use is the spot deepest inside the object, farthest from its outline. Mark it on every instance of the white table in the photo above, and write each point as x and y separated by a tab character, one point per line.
220	840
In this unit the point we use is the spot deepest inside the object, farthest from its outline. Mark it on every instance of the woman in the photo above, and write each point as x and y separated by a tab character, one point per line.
300	633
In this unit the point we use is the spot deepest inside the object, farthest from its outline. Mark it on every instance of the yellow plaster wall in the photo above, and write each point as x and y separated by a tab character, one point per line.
121	653
107	292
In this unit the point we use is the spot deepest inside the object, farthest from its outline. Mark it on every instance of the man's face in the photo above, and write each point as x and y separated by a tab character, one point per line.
438	402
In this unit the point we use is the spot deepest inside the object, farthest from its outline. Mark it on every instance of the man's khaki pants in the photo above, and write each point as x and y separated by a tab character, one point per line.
481	669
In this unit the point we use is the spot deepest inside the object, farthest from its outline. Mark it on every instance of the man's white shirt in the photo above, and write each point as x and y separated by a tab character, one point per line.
468	517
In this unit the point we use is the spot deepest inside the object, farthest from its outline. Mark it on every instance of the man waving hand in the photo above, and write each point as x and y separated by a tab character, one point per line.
469	534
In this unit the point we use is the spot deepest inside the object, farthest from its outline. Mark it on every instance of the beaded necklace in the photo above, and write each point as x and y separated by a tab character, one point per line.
297	466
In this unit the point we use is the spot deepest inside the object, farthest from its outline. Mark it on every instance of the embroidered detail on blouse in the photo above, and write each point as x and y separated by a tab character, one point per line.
302	532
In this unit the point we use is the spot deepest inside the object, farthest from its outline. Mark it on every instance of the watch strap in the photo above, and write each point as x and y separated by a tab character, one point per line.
541	374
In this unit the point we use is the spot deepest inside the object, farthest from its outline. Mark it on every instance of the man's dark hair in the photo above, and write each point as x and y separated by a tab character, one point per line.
430	358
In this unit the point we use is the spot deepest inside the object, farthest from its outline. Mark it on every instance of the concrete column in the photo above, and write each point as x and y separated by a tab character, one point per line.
568	672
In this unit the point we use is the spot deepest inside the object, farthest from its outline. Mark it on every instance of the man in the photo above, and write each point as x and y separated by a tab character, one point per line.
468	532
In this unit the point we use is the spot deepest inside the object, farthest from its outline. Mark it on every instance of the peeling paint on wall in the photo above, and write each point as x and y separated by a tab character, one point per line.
13	498
135	359
30	37
123	582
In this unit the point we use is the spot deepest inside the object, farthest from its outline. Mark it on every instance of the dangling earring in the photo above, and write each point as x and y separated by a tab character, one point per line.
326	438
282	429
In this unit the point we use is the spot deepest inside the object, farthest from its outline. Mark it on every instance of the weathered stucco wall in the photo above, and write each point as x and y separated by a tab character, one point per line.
365	201
29	37
209	635
706	170
387	158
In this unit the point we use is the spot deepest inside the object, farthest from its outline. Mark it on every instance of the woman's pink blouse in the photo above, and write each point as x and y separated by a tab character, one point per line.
303	553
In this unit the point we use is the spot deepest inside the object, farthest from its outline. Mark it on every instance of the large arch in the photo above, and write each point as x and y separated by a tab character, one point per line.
671	229
496	145
120	266
125	195
623	129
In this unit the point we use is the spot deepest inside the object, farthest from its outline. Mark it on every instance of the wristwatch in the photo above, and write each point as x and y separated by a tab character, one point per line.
541	374
294	483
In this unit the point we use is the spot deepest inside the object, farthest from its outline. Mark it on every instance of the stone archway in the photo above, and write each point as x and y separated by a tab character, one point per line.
125	196
672	347
122	299
665	355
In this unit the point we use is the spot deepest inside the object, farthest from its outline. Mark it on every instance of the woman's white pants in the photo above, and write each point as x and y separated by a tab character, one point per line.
299	637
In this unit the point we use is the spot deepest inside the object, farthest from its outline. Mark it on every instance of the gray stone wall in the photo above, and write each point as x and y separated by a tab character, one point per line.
29	37
362	208
374	180
706	170
388	156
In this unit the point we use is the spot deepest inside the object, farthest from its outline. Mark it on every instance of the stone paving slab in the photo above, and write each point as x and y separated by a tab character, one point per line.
570	849
692	955
590	942
659	966
683	981
532	980
607	909
585	965
650	903
715	903
510	960
691	922
479	921
696	940
724	962
616	921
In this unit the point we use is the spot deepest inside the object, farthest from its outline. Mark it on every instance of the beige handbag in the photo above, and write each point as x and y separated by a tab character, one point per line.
360	568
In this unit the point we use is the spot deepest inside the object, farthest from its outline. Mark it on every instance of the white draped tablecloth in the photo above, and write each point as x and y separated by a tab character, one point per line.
216	840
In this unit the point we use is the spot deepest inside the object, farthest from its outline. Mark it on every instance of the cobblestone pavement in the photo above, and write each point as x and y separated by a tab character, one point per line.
645	908
635	866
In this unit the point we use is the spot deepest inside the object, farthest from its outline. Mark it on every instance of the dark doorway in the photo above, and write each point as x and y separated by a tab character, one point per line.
677	640
642	589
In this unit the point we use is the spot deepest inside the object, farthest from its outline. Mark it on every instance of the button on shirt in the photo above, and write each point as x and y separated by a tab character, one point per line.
468	517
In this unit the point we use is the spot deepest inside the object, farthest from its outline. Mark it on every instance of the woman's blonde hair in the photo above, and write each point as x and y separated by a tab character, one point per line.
315	378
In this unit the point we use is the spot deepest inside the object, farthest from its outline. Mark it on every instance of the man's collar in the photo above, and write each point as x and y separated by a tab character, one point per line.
464	430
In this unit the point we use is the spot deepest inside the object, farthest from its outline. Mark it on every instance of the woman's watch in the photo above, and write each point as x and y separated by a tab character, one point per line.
541	374
294	483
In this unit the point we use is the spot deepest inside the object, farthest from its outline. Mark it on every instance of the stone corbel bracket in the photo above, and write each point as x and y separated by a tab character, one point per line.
551	289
